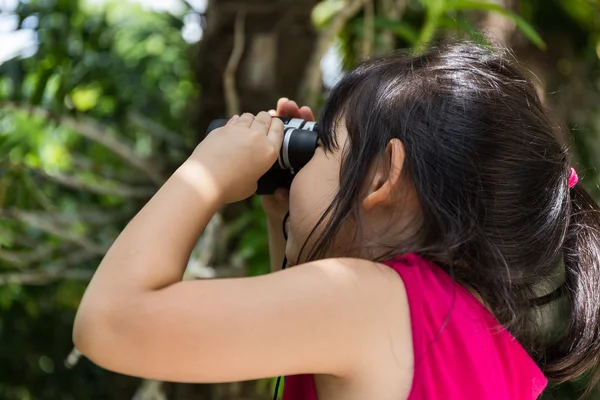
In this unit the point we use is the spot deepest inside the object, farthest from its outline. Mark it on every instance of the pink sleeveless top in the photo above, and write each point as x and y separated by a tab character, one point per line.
461	351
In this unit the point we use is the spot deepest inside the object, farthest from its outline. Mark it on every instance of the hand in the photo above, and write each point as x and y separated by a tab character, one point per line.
277	205
239	153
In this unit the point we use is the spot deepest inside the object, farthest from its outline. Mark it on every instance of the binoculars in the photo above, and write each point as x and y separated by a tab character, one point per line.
300	139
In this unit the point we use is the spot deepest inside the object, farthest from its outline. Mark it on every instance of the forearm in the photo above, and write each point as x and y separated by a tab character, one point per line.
153	250
277	243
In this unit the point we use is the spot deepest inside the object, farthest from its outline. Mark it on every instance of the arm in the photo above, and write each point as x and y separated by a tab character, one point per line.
307	319
138	318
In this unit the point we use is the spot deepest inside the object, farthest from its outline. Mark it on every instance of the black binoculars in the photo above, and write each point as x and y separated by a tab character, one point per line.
300	140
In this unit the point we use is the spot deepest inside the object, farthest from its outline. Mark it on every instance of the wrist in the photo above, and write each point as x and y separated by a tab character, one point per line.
202	181
275	228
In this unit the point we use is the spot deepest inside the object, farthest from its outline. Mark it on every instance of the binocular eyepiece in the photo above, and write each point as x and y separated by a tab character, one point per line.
300	140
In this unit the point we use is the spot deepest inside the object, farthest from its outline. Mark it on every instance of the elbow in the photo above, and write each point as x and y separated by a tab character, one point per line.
81	332
104	331
91	332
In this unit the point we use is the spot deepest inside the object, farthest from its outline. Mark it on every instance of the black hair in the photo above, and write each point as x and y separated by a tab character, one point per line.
490	171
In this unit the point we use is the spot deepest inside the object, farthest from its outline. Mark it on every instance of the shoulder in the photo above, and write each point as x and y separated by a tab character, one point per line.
355	274
373	296
371	291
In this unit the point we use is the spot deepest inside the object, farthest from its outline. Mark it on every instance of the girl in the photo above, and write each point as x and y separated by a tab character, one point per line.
428	236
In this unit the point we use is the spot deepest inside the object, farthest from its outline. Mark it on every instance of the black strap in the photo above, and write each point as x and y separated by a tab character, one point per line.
276	388
287	215
548	298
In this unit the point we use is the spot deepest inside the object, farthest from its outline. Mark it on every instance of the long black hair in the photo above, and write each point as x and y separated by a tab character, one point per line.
490	170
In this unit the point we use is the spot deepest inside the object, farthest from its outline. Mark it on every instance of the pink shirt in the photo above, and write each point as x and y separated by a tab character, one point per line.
461	351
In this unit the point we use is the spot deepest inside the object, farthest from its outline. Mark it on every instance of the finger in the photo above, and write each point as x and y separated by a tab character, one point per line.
245	120
292	109
233	119
273	113
306	113
281	106
275	134
262	122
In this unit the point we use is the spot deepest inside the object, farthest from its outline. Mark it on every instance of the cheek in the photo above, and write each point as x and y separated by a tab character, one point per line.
303	215
312	191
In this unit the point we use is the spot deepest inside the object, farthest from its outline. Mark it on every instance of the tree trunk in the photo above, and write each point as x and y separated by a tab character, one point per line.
278	39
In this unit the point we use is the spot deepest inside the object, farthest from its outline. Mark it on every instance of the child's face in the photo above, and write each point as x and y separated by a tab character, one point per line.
312	190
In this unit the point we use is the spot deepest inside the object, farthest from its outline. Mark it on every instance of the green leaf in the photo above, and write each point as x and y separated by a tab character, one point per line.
86	98
523	25
399	28
434	10
7	235
461	25
434	6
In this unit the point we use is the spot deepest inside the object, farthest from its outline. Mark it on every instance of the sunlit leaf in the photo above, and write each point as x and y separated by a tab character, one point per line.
325	10
434	6
399	28
84	99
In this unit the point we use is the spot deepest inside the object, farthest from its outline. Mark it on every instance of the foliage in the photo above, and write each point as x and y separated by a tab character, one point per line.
86	135
422	23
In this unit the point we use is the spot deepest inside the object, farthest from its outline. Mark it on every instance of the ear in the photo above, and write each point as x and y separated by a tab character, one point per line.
385	177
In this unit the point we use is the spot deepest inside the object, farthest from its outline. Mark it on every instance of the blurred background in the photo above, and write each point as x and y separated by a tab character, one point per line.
101	100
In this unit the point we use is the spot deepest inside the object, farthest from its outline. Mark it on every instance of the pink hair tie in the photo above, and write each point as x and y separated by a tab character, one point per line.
573	178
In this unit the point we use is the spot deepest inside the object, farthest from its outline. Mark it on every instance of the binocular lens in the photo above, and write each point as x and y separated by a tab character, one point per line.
299	144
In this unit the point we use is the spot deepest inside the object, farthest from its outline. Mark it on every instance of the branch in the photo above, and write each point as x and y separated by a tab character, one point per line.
150	390
231	95
369	30
128	176
92	217
204	250
311	83
22	259
392	10
45	276
13	258
107	187
57	270
49	225
95	132
207	244
159	131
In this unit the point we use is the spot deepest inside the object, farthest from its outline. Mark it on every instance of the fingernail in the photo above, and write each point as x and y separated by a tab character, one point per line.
234	118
